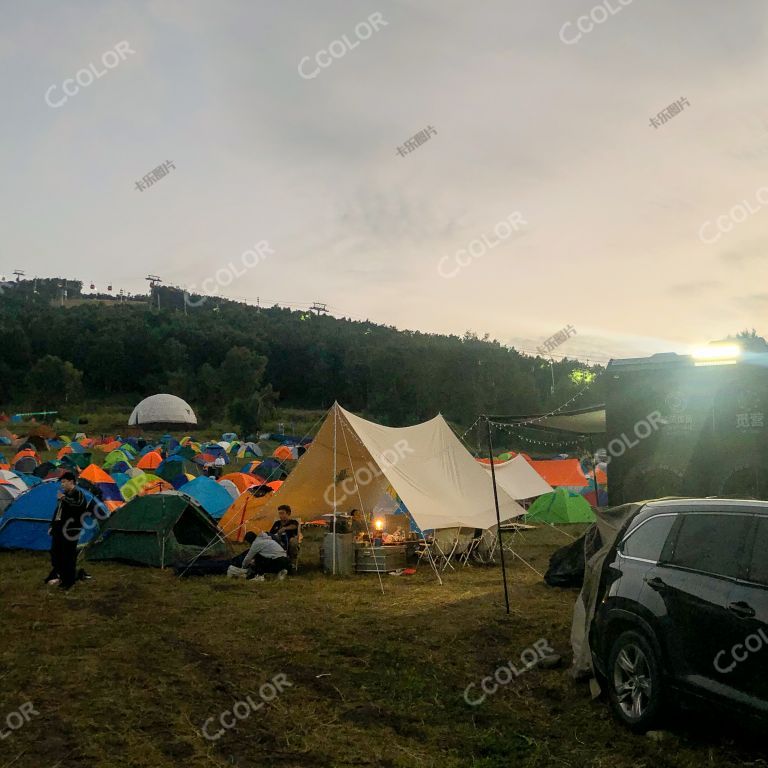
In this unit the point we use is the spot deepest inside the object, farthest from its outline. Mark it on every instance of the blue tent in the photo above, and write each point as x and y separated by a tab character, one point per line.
30	480
24	524
120	478
215	450
211	496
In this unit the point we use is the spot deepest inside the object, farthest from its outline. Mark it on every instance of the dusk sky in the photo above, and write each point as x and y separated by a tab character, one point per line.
644	238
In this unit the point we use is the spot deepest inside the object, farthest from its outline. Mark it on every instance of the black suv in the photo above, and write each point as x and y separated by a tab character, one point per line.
682	609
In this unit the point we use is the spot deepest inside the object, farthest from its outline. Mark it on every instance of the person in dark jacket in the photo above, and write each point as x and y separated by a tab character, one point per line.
66	525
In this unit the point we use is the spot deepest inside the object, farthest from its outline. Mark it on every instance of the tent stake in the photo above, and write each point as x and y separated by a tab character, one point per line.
498	516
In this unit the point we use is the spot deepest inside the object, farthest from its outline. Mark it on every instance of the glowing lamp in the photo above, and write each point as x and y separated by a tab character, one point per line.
717	354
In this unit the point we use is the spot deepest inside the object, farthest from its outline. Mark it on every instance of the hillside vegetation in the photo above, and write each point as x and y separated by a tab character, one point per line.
234	361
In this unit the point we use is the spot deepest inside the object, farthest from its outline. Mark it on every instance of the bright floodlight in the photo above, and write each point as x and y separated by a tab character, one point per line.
716	354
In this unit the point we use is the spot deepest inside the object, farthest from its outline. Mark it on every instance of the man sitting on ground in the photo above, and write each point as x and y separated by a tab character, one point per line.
285	531
265	556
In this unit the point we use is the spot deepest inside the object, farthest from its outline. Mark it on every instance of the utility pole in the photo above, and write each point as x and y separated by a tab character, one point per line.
153	281
19	274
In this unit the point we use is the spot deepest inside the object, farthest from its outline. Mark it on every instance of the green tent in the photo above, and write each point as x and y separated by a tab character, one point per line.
113	457
162	529
81	460
137	483
560	506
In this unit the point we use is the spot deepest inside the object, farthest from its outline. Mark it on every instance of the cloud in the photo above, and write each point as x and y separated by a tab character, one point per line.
524	123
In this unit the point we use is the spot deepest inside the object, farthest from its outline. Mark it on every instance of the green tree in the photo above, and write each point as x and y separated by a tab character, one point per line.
52	380
750	341
241	371
249	413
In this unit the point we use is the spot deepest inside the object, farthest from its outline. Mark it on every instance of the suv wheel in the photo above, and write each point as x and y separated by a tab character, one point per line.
634	681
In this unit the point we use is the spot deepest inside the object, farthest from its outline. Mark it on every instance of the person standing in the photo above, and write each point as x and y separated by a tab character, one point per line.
218	466
66	525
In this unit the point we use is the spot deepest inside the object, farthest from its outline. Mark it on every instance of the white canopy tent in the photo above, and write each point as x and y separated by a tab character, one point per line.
351	462
519	479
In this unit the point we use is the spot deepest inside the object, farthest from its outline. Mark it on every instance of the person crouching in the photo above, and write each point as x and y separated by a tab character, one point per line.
265	556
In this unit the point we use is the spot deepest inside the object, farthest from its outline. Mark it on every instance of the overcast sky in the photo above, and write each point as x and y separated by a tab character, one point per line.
617	228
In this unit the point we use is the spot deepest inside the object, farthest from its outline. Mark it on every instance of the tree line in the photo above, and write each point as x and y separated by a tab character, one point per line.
234	361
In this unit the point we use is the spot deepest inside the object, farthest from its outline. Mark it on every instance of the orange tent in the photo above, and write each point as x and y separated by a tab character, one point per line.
561	472
602	477
283	452
151	460
64	451
245	514
242	481
94	474
111	446
25	452
275	485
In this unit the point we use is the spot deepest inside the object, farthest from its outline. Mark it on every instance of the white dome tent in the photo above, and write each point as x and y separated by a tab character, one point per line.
162	411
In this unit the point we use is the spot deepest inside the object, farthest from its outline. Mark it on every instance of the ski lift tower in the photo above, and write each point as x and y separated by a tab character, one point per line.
154	280
319	309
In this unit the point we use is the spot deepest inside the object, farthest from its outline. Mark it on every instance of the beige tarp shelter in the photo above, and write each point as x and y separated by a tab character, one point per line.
519	479
610	523
351	463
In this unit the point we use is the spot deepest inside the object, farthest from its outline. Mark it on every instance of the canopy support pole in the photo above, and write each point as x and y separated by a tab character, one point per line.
594	472
333	545
498	515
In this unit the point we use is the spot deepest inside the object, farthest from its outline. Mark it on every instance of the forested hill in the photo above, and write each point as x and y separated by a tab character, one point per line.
224	356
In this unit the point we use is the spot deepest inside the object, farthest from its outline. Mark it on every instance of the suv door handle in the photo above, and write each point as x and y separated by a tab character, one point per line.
656	583
742	610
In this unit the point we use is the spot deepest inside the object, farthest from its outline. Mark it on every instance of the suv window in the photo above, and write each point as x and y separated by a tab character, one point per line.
647	540
711	543
758	570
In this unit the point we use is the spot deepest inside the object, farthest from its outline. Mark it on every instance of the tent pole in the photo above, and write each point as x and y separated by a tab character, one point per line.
333	567
498	515
594	472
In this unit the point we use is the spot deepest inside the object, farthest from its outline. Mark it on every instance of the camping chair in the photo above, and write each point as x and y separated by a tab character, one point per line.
446	542
425	549
471	551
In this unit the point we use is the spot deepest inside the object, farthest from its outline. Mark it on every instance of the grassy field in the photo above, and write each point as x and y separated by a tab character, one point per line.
126	669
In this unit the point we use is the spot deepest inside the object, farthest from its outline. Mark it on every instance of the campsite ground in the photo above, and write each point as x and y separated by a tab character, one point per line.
126	669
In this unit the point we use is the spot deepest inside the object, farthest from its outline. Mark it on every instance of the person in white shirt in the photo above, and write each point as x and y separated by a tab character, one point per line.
265	556
218	466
